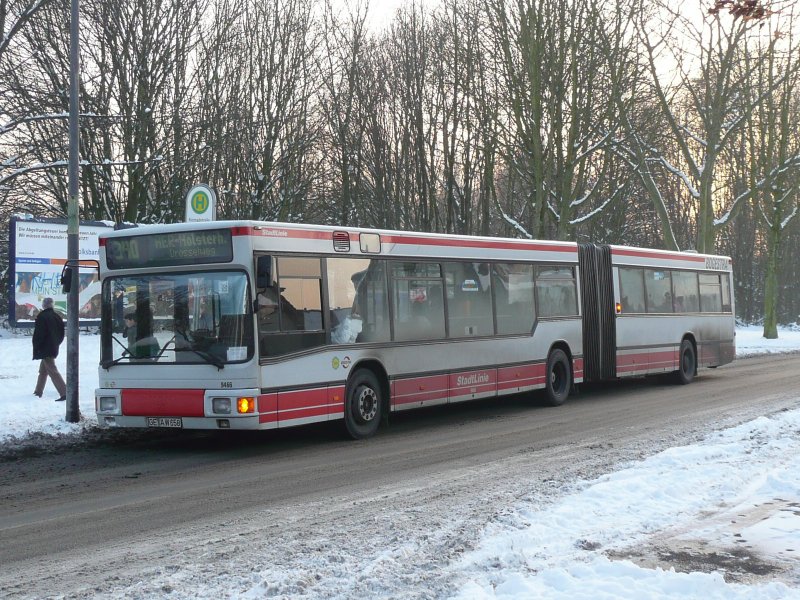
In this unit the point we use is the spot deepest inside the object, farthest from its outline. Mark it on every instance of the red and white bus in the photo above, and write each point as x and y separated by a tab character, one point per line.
247	325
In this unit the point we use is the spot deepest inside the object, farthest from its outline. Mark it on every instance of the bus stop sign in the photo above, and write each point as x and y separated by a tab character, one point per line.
201	204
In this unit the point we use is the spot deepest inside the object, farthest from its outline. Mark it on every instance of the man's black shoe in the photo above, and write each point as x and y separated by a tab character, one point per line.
61	399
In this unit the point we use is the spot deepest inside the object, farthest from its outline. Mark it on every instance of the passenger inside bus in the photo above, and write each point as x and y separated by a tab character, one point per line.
276	313
204	319
142	344
268	316
281	326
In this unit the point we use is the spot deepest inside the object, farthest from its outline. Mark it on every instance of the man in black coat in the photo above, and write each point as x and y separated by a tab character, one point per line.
47	337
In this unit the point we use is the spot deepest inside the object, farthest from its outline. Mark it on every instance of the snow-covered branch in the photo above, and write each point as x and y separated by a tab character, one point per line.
13	124
791	163
26	14
514	223
31	168
789	218
593	147
693	136
680	174
59	164
600	208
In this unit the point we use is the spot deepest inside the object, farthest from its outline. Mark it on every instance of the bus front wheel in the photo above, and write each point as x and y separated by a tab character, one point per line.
558	378
687	364
363	408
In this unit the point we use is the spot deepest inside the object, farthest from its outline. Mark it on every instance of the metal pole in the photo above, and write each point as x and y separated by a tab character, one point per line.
73	407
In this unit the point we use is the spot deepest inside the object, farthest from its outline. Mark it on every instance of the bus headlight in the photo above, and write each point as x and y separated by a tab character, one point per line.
221	406
246	404
108	404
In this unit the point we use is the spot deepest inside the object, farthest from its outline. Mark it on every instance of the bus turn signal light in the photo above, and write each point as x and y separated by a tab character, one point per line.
618	308
246	404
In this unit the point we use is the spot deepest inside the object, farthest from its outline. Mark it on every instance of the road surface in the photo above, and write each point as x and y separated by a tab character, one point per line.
120	511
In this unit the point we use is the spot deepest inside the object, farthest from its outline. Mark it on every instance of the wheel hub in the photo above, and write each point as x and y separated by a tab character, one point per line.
367	404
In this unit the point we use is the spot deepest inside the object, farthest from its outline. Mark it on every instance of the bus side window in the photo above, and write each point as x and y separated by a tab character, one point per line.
726	292
710	293
514	299
418	301
469	299
658	287
684	285
358	302
556	291
631	290
290	314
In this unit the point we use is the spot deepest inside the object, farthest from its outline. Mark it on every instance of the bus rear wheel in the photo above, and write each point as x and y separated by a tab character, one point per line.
687	363
363	408
558	378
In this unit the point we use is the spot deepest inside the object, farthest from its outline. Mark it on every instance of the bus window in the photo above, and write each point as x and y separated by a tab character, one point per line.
182	318
658	289
513	296
631	290
290	313
469	299
684	286
710	293
726	293
358	302
556	291
418	301
301	304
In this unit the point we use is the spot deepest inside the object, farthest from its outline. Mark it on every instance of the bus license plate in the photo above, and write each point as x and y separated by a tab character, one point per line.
164	422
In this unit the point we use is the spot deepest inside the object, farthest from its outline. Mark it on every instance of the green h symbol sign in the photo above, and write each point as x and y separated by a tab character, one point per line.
200	202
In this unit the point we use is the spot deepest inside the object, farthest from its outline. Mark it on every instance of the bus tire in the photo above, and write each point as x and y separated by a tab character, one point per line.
687	363
558	378
363	407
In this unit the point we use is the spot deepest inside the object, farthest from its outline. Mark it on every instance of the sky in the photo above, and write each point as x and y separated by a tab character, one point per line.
732	496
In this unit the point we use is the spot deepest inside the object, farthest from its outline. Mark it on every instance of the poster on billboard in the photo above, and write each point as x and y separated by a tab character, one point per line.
37	254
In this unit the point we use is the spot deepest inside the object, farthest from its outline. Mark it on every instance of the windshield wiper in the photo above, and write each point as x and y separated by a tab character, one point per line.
110	363
209	358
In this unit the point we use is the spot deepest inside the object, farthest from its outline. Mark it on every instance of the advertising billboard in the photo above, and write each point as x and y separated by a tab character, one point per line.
37	254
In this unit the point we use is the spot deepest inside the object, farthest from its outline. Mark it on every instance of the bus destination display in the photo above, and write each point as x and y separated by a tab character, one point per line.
165	249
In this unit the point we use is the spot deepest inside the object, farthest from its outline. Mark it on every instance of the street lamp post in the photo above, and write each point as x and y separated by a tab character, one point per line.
73	407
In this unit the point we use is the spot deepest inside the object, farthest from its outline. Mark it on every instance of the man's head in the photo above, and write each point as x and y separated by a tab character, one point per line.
47	303
130	318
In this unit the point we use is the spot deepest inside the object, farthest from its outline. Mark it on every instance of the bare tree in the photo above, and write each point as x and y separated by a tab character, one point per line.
557	85
696	74
268	72
345	84
773	148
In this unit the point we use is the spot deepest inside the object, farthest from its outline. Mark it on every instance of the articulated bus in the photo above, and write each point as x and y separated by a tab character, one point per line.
248	325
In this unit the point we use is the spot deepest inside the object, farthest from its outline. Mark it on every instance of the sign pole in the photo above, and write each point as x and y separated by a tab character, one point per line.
73	407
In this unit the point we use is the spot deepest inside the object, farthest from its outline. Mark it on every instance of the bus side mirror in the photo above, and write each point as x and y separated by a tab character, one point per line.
66	280
263	272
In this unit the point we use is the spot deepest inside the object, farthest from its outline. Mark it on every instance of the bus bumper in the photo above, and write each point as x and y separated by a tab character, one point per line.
177	408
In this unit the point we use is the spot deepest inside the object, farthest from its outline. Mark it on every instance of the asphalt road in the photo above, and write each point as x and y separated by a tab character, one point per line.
86	519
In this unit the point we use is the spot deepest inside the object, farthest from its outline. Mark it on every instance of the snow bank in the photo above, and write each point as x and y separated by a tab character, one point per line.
738	491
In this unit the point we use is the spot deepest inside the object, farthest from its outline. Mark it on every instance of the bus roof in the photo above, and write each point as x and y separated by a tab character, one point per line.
319	238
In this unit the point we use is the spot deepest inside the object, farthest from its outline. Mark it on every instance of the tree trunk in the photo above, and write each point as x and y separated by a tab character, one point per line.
771	285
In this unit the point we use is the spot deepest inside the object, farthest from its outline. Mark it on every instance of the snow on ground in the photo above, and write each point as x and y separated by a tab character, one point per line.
751	342
23	413
729	504
716	519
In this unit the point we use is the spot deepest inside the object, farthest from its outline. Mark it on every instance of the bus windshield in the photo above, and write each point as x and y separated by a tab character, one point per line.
199	317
